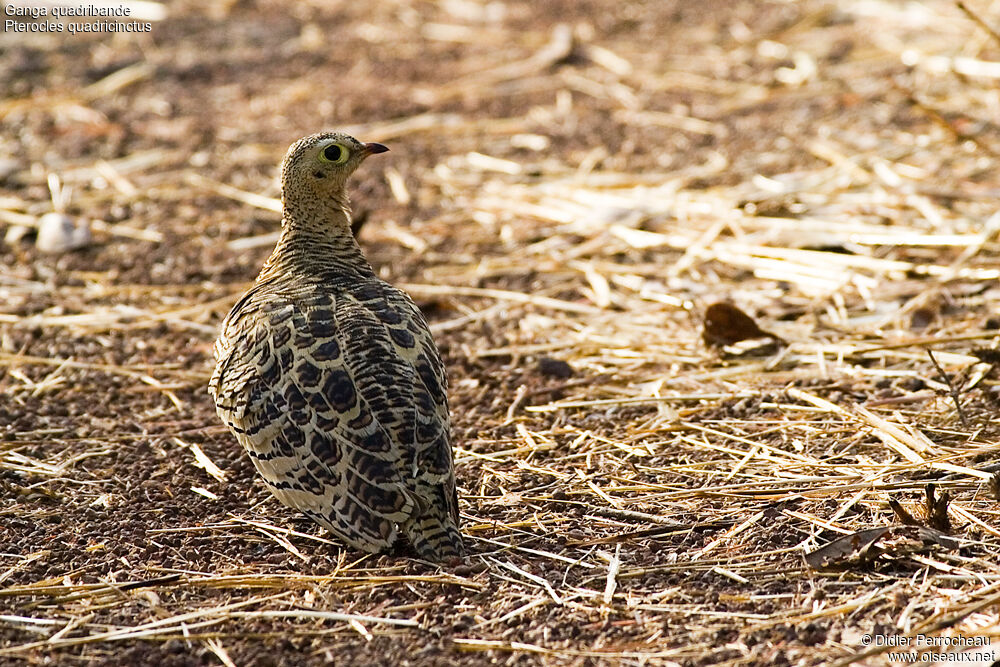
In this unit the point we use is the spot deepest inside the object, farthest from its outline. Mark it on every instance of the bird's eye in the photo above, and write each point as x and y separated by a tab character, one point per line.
334	153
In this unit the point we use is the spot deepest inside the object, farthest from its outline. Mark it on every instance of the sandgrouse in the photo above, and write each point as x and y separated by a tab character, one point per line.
330	379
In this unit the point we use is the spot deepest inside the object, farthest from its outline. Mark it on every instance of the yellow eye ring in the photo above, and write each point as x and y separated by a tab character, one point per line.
335	154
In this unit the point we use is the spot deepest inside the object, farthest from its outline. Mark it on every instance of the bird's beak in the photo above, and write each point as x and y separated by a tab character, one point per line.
372	148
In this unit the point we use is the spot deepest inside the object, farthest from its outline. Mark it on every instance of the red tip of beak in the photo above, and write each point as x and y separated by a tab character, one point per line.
373	148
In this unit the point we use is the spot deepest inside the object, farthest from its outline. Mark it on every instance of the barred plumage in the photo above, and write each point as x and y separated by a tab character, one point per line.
330	379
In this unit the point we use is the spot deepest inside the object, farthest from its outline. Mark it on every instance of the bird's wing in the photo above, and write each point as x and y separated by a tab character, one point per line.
432	466
422	424
316	393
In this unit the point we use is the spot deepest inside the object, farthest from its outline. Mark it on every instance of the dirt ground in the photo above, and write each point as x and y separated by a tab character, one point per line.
570	186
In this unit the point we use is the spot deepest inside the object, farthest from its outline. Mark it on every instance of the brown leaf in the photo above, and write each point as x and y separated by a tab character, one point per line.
868	545
726	324
844	548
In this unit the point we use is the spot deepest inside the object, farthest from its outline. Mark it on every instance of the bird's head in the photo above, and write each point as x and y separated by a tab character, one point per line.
317	166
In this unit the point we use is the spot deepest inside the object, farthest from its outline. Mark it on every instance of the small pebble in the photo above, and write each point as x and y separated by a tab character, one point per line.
555	367
57	232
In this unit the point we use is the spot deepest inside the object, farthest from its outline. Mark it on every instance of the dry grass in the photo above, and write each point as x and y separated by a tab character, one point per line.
664	497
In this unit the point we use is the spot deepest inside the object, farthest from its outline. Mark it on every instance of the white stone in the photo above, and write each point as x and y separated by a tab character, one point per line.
58	232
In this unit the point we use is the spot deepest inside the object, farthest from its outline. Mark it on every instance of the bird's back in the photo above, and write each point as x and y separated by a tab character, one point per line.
333	384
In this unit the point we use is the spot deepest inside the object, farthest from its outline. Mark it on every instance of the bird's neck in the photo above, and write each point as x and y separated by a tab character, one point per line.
316	240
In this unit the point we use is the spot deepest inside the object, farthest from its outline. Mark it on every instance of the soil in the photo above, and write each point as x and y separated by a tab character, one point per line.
107	519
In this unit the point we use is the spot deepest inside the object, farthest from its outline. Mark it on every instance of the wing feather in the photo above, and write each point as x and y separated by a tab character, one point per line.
341	403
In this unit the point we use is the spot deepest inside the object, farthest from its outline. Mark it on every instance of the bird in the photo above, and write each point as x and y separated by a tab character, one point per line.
330	379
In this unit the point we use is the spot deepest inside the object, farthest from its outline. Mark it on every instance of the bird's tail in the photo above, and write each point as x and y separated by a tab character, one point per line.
434	533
